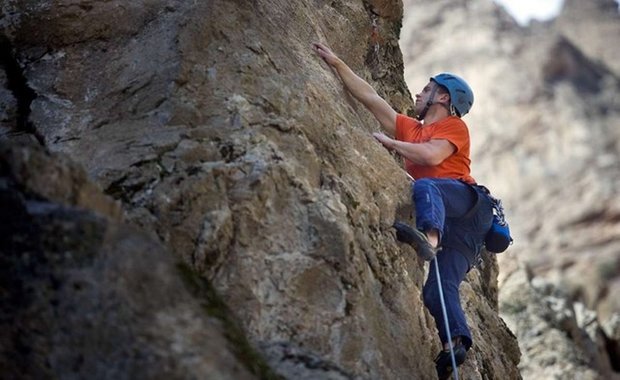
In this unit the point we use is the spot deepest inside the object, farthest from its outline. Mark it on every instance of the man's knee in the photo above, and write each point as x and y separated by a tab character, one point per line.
423	185
424	190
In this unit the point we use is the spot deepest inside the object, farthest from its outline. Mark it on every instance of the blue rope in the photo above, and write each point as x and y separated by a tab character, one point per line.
455	371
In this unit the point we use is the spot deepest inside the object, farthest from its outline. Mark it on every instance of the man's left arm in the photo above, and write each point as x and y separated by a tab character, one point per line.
430	153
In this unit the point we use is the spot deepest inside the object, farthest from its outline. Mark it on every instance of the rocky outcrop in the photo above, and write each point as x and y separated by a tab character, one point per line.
545	140
86	296
592	25
558	337
227	139
8	107
8	103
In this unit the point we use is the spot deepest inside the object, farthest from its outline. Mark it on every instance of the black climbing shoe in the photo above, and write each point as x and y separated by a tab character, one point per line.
443	362
416	238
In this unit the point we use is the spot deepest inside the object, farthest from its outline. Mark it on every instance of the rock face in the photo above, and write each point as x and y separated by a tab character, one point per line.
559	338
86	296
545	140
225	138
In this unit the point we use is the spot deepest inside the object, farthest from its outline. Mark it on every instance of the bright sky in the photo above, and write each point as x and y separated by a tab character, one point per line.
524	10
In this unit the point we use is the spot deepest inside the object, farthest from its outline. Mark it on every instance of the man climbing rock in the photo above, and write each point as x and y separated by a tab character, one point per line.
453	215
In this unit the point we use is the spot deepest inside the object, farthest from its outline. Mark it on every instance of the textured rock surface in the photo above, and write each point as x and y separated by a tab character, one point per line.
8	106
559	338
226	137
85	296
545	139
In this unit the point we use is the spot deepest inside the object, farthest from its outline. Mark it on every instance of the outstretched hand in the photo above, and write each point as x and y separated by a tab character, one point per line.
385	140
326	53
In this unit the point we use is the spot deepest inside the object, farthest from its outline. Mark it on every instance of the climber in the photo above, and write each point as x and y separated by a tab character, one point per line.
436	151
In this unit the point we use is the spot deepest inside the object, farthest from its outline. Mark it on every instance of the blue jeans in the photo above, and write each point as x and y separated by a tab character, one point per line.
444	204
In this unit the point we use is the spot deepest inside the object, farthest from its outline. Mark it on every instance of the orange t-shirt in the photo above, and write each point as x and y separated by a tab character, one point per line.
452	129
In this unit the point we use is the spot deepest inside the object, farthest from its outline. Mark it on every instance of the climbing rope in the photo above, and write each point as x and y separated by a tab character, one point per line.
455	371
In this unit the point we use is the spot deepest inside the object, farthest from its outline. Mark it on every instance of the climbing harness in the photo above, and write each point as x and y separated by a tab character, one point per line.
498	238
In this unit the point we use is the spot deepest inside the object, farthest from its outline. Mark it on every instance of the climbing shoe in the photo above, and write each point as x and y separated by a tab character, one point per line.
443	362
416	238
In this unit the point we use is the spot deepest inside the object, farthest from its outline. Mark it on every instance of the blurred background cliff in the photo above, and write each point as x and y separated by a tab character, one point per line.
546	139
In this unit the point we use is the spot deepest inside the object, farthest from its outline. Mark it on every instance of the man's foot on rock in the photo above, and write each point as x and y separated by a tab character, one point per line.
416	238
443	362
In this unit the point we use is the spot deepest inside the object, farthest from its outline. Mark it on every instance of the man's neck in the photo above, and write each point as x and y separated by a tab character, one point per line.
435	114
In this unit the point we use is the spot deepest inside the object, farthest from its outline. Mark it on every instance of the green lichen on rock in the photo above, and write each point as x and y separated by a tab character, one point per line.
217	308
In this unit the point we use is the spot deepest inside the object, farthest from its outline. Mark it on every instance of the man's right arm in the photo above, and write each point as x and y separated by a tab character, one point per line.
361	90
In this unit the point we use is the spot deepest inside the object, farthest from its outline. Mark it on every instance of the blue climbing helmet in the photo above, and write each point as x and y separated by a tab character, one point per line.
461	95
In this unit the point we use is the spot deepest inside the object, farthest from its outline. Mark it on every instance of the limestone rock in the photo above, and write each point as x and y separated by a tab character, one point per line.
558	338
225	136
86	296
592	25
8	106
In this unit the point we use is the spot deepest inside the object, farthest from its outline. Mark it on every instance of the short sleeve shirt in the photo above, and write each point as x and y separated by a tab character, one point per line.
452	129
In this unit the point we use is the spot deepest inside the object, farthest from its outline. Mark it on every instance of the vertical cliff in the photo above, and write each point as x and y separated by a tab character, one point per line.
545	139
239	154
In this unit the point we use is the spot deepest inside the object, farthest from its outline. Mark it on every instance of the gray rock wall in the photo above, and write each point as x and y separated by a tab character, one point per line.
226	138
84	295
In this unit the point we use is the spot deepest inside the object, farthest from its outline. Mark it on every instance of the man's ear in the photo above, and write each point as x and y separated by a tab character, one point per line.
444	98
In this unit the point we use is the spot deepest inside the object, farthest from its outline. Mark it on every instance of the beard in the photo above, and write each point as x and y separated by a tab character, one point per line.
418	106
